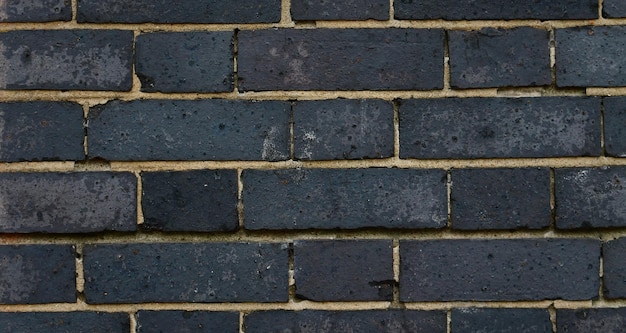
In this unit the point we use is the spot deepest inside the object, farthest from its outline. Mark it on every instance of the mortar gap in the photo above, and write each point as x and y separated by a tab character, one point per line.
396	128
446	61
292	144
449	197
133	321
240	212
396	273
552	47
292	278
235	61
552	313
86	130
601	273
600	8
285	13
241	318
552	200
80	273
392	11
136	84
449	321
74	5
602	137
139	198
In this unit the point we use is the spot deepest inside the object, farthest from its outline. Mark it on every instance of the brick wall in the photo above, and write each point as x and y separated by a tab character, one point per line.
312	166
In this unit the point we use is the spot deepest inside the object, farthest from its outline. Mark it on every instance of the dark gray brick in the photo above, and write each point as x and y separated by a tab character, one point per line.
66	59
185	61
614	267
185	11
334	270
590	320
190	130
590	198
501	320
500	199
344	198
499	270
370	321
187	321
613	8
31	274
63	322
41	131
590	56
186	272
201	200
340	10
35	10
68	202
340	59
343	129
499	57
500	127
615	126
495	9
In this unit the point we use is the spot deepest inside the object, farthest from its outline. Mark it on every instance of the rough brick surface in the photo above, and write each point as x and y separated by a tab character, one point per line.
613	8
186	11
499	58
499	270
35	10
66	59
185	61
500	199
501	320
40	131
614	268
343	129
187	321
590	197
67	202
615	126
186	272
201	200
590	320
190	130
344	198
334	59
499	127
62	322
344	270
340	10
32	274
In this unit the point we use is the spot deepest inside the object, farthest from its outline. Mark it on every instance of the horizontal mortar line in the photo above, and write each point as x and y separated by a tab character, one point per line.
606	91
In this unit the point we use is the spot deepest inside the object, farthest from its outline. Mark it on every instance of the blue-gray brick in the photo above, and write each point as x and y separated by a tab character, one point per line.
499	127
68	202
35	10
613	8
66	59
590	320
499	270
340	59
200	200
190	130
343	129
187	321
615	126
186	272
340	10
63	322
185	61
41	131
344	198
614	268
31	274
501	320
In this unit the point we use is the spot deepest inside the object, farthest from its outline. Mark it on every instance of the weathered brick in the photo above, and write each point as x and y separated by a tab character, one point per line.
340	10
590	56
190	130
499	270
185	61
68	202
185	11
495	10
590	320
615	126
66	59
614	268
201	200
186	272
344	198
590	197
344	270
340	59
370	321
343	129
41	131
187	321
501	320
60	322
35	10
613	8
499	57
31	274
499	127
500	198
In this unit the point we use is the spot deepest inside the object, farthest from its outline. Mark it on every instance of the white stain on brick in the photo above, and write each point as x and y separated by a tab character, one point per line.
269	150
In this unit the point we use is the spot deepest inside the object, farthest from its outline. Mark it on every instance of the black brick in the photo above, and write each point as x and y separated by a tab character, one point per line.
41	131
185	61
190	130
370	321
35	10
186	272
590	56
202	200
343	129
499	57
66	59
344	270
499	270
501	320
185	11
62	322
187	321
590	320
340	10
613	8
590	198
68	202
344	198
614	267
340	59
500	199
615	126
499	127
31	274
